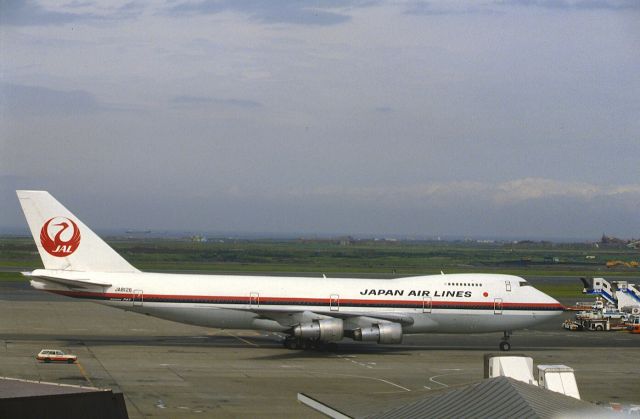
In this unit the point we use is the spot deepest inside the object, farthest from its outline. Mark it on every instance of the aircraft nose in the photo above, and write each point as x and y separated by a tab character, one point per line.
554	306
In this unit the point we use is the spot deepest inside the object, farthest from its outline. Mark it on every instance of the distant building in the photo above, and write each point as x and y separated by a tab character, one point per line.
612	241
346	241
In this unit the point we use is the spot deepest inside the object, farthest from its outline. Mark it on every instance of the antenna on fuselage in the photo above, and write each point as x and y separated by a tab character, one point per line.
441	273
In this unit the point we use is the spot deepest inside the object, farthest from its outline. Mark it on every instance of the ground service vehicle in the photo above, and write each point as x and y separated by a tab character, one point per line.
56	355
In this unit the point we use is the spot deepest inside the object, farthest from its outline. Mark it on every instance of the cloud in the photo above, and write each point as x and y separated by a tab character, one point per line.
27	12
526	207
293	12
538	188
434	8
503	194
185	100
448	8
576	4
19	99
30	13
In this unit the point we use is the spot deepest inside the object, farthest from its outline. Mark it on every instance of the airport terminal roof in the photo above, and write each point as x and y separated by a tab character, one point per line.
13	387
27	399
499	397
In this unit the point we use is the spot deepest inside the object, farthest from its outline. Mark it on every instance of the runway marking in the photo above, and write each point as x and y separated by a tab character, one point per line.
362	364
393	384
368	378
241	339
444	375
438	382
84	373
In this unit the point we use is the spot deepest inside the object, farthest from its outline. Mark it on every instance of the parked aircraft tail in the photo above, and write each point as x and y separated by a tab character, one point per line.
64	242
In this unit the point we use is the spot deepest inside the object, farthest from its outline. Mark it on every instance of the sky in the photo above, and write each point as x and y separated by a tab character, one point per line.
510	118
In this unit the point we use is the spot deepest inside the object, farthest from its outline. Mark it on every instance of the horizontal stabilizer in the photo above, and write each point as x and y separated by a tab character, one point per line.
71	283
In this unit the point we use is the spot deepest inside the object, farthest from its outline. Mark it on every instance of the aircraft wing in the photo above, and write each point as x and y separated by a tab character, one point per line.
292	318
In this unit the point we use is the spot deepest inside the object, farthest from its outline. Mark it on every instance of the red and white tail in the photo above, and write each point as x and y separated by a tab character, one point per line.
63	241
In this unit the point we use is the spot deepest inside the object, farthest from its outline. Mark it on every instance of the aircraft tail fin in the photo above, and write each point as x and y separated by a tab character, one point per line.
64	242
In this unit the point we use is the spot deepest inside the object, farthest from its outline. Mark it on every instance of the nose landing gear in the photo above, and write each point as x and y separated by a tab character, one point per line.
504	343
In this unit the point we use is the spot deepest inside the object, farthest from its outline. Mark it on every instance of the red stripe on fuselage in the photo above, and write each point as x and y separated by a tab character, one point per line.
293	300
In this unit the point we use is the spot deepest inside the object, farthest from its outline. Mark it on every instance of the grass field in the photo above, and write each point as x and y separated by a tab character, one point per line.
373	258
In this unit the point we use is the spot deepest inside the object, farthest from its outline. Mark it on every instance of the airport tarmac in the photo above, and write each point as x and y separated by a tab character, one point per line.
168	369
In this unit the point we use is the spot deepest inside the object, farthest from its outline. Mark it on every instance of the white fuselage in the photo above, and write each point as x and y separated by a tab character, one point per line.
457	303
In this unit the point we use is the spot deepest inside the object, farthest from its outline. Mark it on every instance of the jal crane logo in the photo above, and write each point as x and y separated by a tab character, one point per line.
65	240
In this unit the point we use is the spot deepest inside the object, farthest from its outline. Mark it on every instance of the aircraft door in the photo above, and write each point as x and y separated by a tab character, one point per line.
254	300
334	302
426	304
137	298
497	306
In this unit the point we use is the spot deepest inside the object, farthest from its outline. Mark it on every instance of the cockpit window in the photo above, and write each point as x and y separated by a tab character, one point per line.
524	284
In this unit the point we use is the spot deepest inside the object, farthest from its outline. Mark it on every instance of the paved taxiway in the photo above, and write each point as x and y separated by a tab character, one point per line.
168	369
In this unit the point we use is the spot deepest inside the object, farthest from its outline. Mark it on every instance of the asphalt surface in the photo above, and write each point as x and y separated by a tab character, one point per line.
167	369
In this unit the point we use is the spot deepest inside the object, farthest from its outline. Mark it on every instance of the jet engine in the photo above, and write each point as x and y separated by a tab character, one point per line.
327	330
381	333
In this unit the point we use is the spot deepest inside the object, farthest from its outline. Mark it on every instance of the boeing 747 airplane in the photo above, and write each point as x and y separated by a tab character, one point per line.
309	312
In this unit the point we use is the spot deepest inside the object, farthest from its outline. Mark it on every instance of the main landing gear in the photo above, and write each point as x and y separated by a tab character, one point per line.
292	342
504	343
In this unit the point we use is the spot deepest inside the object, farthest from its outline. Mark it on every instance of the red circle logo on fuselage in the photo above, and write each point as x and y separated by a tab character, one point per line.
65	240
